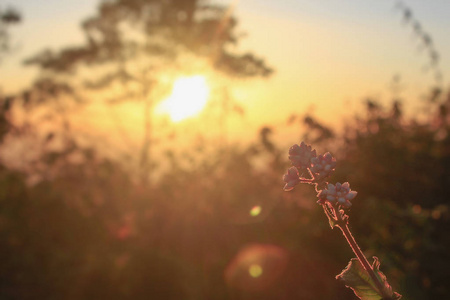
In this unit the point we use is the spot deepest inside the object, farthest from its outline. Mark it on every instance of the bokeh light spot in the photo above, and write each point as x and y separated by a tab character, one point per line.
255	270
255	211
256	267
417	209
436	214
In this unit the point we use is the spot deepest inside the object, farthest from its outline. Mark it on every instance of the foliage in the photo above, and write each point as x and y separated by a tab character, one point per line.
92	227
399	165
90	232
355	277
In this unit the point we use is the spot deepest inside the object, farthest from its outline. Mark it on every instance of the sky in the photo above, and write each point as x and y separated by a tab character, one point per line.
333	53
329	55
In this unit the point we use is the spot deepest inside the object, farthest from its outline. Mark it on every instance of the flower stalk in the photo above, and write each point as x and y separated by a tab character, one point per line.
335	199
342	223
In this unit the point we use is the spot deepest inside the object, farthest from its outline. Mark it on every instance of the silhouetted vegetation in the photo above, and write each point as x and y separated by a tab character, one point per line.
9	16
131	44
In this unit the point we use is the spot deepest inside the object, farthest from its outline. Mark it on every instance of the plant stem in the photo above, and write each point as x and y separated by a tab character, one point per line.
305	180
343	225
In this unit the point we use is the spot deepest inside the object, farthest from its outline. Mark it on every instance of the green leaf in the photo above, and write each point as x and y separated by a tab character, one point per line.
356	277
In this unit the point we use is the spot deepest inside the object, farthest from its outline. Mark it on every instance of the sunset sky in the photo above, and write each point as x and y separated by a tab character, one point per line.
328	55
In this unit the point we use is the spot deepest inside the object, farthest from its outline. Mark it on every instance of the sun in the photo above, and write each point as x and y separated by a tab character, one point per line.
189	97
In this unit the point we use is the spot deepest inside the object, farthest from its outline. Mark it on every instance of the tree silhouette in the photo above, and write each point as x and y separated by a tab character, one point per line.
9	16
129	42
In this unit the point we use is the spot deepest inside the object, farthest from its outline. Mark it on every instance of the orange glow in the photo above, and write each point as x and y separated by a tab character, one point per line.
189	97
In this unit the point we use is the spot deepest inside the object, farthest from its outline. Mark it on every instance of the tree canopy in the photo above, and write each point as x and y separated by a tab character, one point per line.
124	29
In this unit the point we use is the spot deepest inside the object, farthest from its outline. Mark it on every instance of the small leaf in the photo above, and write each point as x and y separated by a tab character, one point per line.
331	219
356	277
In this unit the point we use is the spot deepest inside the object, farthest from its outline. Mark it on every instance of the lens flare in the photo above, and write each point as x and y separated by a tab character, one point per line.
255	270
255	211
256	267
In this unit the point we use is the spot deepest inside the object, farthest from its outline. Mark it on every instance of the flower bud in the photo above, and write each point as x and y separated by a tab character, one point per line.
291	178
323	165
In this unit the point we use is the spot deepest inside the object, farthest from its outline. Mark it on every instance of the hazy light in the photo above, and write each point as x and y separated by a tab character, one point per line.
188	98
255	211
255	270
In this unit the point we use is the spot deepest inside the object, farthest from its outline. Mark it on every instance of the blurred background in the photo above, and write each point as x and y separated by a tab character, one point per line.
143	142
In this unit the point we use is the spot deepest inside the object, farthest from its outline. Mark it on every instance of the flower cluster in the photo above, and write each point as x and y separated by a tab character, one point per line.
339	193
320	167
301	156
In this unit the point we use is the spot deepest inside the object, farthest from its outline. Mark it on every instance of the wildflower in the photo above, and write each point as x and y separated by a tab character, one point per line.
339	193
301	156
291	178
323	165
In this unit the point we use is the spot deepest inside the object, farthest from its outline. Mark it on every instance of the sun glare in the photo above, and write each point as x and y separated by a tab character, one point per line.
188	98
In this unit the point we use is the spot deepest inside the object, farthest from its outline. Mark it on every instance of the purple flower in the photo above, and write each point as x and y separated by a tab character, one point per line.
323	165
291	178
301	156
339	193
